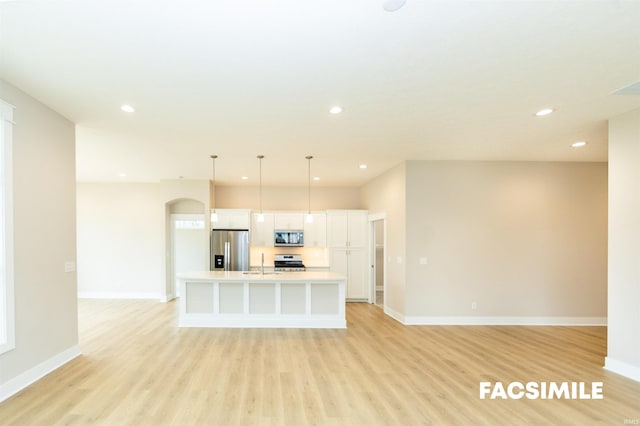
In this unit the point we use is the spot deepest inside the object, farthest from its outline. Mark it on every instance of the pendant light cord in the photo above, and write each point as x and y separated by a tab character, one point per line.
260	157
309	157
213	158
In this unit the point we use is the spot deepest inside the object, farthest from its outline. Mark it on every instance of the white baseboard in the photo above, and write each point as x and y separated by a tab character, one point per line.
622	368
559	321
395	315
168	298
117	295
34	374
500	320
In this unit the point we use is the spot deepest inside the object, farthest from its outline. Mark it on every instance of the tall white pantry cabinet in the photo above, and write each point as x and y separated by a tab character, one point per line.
347	236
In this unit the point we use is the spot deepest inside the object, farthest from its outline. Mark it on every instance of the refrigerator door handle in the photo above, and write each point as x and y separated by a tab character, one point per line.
227	256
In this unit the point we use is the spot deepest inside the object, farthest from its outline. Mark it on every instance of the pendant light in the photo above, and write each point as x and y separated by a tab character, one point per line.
214	215
309	217
260	215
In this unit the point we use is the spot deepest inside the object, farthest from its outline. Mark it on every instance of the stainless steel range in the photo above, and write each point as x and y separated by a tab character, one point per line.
288	263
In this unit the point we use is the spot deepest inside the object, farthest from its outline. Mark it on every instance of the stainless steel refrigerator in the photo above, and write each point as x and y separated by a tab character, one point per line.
229	250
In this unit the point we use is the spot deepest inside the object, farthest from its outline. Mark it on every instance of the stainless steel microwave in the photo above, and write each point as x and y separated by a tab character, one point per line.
288	238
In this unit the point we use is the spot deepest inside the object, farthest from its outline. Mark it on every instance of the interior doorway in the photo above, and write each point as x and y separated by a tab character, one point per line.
187	242
378	273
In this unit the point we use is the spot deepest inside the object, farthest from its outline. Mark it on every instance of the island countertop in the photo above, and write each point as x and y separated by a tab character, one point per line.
255	276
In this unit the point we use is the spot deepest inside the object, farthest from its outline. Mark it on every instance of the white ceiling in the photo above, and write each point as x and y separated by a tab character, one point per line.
434	80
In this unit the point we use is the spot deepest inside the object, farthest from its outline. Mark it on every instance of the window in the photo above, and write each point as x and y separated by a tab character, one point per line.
7	328
189	223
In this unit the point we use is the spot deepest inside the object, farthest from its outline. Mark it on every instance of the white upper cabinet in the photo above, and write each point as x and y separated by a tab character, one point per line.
357	228
289	221
347	228
337	228
315	233
262	232
232	219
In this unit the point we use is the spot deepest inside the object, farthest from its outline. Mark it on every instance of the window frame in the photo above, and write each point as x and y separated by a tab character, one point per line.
7	301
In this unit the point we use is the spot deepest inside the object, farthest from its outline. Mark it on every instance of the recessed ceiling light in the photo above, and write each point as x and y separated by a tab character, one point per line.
335	110
122	175
244	177
363	166
316	178
127	108
393	5
578	144
544	112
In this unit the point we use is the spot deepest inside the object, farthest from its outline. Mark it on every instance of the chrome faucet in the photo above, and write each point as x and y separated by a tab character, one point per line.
262	265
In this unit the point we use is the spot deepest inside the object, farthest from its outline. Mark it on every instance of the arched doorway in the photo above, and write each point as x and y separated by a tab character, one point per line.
187	241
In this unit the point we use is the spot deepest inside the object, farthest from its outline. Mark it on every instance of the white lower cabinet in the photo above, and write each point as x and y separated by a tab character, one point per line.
352	263
235	299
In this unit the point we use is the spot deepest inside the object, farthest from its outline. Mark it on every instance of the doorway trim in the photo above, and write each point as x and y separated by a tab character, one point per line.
373	218
169	286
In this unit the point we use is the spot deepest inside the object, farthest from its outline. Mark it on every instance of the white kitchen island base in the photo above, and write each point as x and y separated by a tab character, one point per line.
270	300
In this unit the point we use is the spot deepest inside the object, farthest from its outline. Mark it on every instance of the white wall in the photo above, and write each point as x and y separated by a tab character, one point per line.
287	198
188	251
522	240
526	241
624	245
387	194
123	235
44	239
120	240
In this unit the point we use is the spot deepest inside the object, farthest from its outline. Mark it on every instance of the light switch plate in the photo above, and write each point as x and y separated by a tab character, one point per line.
69	266
423	260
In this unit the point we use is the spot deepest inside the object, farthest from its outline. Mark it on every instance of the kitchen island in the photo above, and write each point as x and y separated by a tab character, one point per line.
262	300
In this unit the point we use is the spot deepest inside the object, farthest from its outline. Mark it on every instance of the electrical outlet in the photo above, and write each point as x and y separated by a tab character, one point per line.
69	266
474	305
423	260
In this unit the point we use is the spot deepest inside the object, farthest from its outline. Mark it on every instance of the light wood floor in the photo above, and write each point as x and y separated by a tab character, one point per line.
137	368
